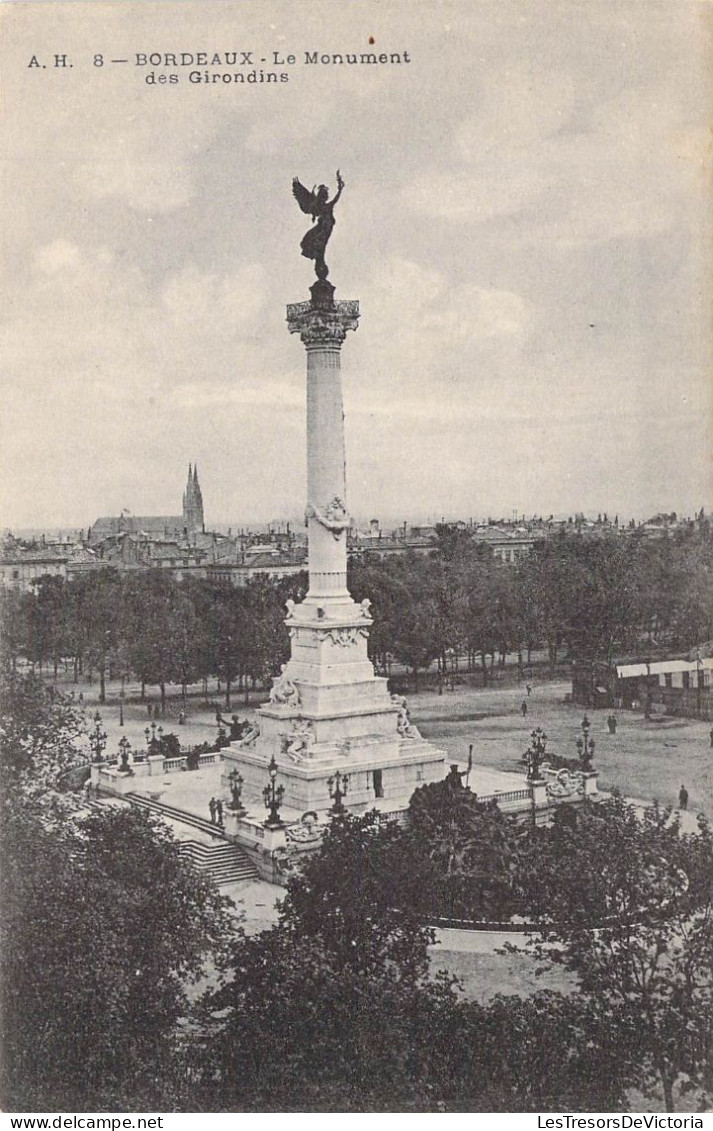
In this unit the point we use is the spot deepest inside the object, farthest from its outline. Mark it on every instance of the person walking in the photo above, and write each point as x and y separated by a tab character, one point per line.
683	798
711	738
528	689
523	708
212	805
219	811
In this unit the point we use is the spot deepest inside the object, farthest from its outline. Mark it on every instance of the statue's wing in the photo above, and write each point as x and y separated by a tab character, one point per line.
306	199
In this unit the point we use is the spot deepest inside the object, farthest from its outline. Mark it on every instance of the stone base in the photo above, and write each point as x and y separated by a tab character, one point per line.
329	713
389	769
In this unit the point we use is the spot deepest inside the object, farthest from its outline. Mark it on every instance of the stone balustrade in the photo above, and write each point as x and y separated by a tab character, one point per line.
109	779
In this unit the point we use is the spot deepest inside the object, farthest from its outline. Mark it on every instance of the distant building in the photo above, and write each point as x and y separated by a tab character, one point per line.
193	520
19	567
160	527
509	545
259	561
679	686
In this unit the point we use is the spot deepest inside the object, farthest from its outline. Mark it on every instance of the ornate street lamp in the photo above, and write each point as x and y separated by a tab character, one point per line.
535	753
272	795
97	739
124	748
585	746
153	743
235	781
337	790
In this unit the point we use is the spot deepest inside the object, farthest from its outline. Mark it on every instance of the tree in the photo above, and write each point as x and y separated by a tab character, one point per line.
13	627
359	893
475	853
416	638
266	644
152	628
551	577
338	997
96	954
606	605
626	902
297	1030
98	620
549	1052
386	589
42	735
185	635
230	630
45	622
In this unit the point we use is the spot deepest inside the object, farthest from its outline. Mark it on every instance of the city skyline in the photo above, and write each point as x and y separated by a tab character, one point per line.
525	222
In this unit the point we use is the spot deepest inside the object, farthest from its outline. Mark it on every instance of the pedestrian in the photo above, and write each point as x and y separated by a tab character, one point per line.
213	806
683	798
528	689
711	738
523	708
149	708
219	811
611	723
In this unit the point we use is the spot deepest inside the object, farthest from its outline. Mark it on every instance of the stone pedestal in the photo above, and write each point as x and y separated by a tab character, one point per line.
328	711
540	801
589	780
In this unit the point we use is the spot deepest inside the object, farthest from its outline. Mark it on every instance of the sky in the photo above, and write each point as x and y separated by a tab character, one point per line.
526	223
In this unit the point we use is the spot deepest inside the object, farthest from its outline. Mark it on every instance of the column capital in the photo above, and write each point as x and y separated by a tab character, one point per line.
323	326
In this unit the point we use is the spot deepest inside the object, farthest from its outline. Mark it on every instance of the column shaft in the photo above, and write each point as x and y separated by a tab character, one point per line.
322	327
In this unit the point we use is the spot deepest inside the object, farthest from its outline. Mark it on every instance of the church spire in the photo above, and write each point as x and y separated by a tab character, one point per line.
193	520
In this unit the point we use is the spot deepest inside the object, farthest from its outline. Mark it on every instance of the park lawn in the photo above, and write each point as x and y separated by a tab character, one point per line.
484	974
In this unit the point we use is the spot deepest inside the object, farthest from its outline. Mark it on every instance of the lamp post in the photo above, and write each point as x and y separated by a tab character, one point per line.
699	682
337	790
535	754
235	780
272	795
124	748
97	739
585	746
534	757
152	742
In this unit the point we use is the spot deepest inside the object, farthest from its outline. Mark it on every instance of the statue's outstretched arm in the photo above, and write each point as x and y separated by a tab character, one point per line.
340	186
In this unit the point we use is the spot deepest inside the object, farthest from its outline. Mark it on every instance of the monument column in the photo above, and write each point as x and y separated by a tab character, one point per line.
328	712
322	325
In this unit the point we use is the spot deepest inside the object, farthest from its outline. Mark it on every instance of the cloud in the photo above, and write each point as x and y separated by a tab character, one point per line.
424	324
626	167
60	255
209	303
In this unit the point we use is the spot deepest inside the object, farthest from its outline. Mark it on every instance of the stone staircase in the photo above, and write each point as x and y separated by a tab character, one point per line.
225	862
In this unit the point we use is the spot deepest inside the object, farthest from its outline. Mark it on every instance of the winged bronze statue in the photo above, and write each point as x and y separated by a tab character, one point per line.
317	205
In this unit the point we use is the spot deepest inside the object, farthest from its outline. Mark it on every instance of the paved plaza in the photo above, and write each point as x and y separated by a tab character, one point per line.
644	759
